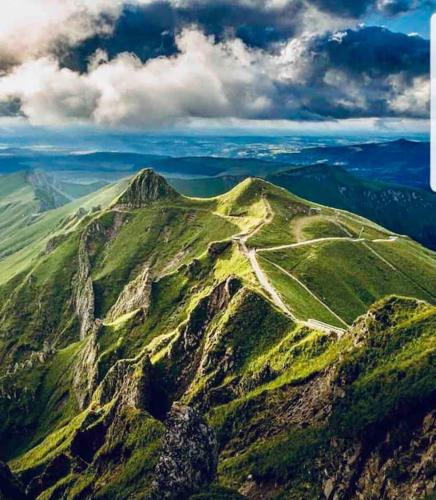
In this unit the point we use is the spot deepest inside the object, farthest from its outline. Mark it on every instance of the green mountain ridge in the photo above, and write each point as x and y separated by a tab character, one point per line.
253	344
25	228
399	208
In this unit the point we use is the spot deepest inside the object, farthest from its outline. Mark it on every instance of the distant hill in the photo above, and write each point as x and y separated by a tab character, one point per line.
110	166
400	162
401	209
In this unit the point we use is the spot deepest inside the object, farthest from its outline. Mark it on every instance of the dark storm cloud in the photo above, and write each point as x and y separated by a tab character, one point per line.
395	7
363	73
375	52
354	8
357	8
149	30
10	108
313	74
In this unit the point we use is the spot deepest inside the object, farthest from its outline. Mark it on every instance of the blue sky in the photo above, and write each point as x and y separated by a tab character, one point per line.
417	21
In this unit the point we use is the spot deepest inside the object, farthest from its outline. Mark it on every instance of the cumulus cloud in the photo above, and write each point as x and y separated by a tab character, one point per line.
358	73
410	98
32	28
147	63
74	29
49	94
355	73
149	28
203	80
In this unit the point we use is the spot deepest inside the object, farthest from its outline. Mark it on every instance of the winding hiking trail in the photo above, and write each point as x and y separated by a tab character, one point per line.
391	239
280	268
251	255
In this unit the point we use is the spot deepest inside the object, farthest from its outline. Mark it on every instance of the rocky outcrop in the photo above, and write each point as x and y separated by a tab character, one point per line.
56	469
185	353
10	487
48	192
145	188
393	460
85	378
84	299
54	242
84	442
189	456
217	248
402	469
126	386
129	381
95	236
134	296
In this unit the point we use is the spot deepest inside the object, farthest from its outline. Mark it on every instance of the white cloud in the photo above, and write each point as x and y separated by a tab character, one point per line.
31	28
49	94
412	100
204	80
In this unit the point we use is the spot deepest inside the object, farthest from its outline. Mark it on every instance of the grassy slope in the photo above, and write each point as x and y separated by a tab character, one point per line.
169	236
401	209
345	275
404	210
294	455
23	240
349	278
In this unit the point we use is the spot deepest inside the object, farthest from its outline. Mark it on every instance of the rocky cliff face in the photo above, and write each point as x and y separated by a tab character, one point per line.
128	381
84	292
358	448
392	462
86	375
189	456
185	354
135	295
99	438
145	188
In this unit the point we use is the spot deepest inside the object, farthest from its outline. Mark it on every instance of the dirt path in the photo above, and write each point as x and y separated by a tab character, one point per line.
391	239
263	280
287	273
250	254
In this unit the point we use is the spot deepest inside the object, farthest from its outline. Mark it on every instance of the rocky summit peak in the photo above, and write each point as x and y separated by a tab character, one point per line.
146	187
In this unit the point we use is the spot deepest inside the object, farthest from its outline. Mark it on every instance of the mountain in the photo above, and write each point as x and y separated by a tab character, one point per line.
387	182
34	207
401	209
249	345
110	166
400	162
